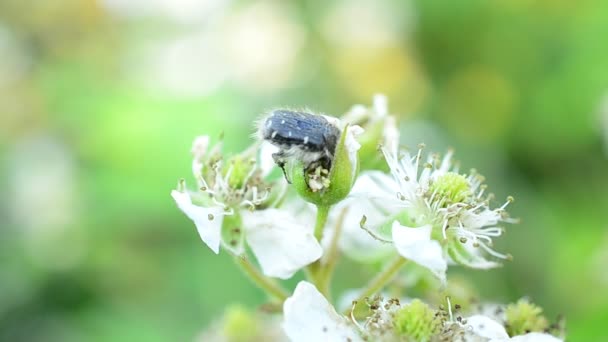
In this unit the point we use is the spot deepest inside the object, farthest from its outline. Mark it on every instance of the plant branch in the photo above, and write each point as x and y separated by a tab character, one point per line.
263	282
331	257
313	270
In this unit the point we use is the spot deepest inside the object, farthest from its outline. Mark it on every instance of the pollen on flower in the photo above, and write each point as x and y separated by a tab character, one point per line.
318	179
452	187
524	317
416	321
456	205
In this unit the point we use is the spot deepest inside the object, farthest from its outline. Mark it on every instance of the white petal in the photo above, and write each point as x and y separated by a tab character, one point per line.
208	221
467	255
281	244
416	244
391	135
351	143
266	160
486	327
200	146
357	113
472	220
380	105
535	337
309	317
371	196
375	184
199	150
356	242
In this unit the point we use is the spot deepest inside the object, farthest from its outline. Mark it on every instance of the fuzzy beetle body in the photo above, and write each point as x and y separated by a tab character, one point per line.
306	137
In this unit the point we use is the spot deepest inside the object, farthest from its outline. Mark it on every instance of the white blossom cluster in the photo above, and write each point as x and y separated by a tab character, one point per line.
308	316
379	204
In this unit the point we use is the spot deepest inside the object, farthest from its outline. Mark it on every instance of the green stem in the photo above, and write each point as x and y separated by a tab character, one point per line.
322	215
313	270
260	280
331	257
381	279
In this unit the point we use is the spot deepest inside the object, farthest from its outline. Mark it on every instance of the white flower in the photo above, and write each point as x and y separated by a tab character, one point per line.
437	214
308	316
380	127
232	185
416	244
482	326
208	221
442	196
355	242
486	327
281	244
221	191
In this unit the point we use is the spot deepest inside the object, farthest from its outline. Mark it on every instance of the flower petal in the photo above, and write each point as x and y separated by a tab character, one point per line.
416	244
309	317
200	145
370	198
486	327
281	244
208	221
467	255
266	160
352	148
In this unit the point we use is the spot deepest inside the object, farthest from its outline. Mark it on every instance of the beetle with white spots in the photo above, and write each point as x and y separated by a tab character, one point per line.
306	137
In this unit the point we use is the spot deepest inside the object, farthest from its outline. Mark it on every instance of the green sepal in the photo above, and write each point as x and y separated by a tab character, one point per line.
341	177
233	235
369	156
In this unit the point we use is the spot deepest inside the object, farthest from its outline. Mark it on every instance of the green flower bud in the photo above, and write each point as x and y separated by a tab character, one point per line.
416	322
240	325
323	187
524	317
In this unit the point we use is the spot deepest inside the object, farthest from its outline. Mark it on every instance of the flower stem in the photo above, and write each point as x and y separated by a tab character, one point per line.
322	215
313	270
381	279
263	282
331	257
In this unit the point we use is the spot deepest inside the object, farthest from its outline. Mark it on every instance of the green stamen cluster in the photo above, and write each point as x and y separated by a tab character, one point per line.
416	322
524	317
240	168
451	186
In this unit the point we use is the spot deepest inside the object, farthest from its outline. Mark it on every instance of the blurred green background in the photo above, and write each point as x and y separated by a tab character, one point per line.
100	100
